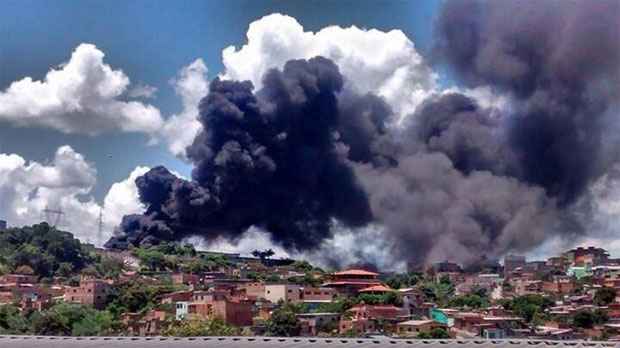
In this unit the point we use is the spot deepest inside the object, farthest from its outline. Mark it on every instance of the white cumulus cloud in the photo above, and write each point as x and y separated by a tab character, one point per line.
180	129
28	188
83	95
385	63
122	199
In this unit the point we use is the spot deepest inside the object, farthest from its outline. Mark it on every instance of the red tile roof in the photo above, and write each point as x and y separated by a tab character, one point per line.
360	282
376	288
359	272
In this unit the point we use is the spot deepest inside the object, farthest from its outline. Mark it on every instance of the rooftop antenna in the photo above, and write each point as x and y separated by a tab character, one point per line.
52	216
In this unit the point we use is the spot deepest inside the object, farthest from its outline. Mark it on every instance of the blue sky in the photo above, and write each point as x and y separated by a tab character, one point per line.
150	41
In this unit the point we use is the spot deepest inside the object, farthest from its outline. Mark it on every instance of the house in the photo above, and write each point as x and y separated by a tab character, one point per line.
559	285
19	279
592	256
132	322
181	310
34	298
313	323
176	296
233	313
526	287
442	315
412	298
512	262
93	292
363	318
412	328
501	326
6	297
208	296
468	321
185	278
283	292
559	263
151	324
488	281
349	282
254	289
262	310
445	267
613	311
311	294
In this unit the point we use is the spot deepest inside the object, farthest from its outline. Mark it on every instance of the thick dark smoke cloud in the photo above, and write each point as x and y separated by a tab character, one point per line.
302	159
560	60
471	136
269	159
453	192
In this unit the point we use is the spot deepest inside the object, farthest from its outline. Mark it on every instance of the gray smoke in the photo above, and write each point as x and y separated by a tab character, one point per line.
560	61
456	181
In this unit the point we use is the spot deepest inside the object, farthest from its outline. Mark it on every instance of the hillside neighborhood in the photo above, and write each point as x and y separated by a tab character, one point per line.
52	284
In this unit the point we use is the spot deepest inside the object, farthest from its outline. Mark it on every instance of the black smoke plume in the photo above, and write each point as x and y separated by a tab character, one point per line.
302	159
560	61
269	159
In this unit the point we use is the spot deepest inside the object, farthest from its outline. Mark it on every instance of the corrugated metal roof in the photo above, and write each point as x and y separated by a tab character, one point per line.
264	342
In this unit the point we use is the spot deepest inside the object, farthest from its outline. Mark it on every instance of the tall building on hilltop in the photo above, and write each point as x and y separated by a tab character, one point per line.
512	262
592	256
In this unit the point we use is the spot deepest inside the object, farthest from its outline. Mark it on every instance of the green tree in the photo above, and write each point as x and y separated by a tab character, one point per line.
133	297
195	328
12	321
583	319
302	266
43	248
403	280
283	322
528	306
436	333
439	332
308	279
94	323
439	292
604	296
68	319
273	278
65	269
471	301
153	260
263	254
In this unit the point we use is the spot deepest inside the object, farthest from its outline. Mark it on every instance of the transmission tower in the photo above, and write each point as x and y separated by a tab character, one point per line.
100	231
53	216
